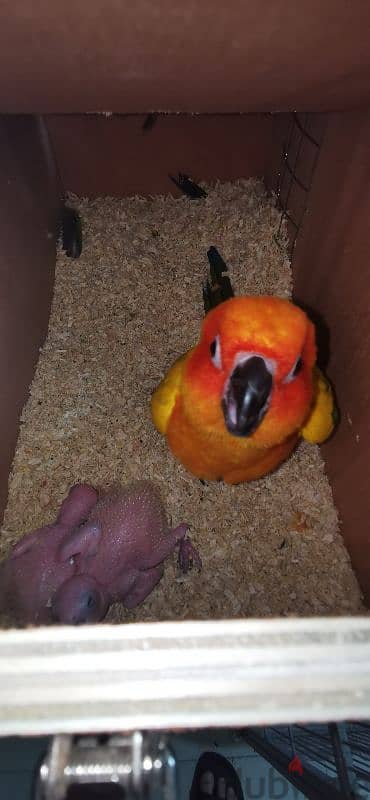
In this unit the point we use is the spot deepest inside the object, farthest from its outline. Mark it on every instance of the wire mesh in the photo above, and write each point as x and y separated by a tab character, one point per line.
335	759
298	163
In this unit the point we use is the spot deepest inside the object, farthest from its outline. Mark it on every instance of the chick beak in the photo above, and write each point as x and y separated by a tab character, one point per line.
247	396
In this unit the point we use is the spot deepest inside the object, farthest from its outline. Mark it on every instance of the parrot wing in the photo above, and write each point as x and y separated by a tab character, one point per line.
323	416
164	398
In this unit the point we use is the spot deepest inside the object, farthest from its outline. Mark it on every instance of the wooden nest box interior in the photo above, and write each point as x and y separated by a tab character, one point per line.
266	106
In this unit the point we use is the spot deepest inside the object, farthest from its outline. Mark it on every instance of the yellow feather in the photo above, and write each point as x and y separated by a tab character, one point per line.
164	398
322	420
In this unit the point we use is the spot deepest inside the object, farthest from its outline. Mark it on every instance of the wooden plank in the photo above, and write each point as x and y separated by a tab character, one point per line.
184	675
208	56
331	274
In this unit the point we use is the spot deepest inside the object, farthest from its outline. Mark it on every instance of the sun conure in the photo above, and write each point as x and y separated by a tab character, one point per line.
234	407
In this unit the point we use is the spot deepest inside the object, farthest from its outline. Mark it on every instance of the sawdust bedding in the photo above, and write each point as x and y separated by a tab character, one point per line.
121	314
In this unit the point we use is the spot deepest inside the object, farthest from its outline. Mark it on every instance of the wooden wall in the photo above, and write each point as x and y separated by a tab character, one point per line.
29	199
332	275
119	156
171	55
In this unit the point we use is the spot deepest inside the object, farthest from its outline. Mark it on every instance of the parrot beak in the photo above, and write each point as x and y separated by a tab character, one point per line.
247	396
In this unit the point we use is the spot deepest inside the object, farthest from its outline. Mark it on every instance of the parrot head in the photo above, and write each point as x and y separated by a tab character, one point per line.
251	371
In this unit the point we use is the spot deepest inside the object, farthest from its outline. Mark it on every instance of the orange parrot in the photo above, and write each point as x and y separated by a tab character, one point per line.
235	406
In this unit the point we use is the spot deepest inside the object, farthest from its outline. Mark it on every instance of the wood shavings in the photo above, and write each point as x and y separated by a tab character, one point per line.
121	314
299	522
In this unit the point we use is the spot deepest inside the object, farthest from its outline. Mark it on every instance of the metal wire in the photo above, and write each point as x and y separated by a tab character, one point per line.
335	758
298	135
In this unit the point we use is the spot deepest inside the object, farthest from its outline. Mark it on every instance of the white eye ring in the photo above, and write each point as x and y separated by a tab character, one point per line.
296	368
215	350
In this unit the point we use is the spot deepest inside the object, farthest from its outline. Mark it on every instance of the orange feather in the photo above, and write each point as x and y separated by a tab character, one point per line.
280	334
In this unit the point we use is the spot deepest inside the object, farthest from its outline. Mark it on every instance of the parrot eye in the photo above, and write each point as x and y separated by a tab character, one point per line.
294	371
215	350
